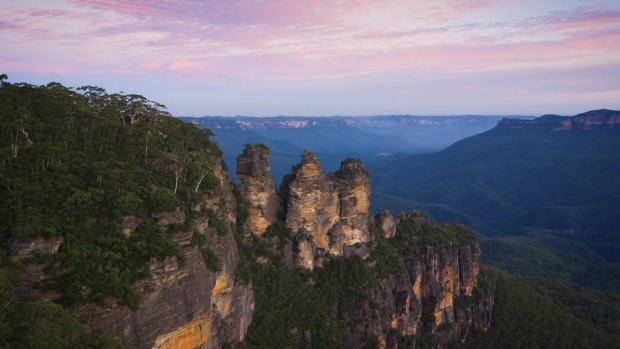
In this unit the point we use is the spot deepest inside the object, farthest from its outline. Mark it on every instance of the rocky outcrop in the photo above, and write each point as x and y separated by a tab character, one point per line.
327	214
34	254
254	173
426	296
186	305
24	249
353	183
387	223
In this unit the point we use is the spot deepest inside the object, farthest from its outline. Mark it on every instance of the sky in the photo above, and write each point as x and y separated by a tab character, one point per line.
324	57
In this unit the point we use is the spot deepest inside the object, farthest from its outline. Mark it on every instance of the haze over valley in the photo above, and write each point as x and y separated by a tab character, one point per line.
337	137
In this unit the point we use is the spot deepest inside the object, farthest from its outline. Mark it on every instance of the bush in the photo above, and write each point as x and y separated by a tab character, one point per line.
211	260
130	205
164	200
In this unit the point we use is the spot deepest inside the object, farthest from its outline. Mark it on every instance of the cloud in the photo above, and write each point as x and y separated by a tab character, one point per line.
325	41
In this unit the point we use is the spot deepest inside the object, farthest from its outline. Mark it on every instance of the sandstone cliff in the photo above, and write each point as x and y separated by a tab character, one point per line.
433	293
188	305
182	304
328	215
254	173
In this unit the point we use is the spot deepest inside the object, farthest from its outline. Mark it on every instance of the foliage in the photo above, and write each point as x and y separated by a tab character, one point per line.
216	223
388	257
164	200
510	179
525	318
340	174
597	307
416	232
256	146
323	303
330	300
568	272
74	162
537	255
211	260
279	230
26	323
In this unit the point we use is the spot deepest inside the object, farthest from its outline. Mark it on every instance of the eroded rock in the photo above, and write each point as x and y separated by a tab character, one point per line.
333	210
257	187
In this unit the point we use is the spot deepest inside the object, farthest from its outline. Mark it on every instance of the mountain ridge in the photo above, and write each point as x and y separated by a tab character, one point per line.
258	122
521	174
601	118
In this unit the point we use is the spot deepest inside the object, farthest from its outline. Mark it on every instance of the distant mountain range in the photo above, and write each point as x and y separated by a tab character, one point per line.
277	122
338	137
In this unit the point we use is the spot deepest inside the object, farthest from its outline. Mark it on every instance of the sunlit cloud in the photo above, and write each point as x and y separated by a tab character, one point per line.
335	43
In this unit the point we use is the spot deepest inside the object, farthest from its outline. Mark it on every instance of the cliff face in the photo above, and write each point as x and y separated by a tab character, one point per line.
428	295
592	120
254	173
328	215
186	305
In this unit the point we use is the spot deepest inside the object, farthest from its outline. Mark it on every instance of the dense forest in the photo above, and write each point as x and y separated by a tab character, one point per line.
508	179
73	162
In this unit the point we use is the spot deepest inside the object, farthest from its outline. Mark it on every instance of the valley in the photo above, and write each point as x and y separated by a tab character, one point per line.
124	229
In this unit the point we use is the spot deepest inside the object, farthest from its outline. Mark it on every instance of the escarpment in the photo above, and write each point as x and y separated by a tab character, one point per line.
116	220
426	273
190	304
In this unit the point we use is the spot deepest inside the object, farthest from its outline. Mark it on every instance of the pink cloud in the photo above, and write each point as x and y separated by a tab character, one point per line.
321	38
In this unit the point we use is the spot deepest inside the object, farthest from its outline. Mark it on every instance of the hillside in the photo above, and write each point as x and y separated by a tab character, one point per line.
557	173
117	220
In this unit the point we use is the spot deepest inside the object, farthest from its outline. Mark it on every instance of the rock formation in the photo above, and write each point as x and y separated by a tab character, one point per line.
254	173
328	215
187	305
387	223
425	296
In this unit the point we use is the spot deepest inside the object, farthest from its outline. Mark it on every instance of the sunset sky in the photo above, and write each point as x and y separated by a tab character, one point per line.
325	57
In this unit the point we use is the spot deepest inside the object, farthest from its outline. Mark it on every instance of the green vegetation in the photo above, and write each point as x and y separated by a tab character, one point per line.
78	164
27	323
73	163
512	179
350	175
216	223
329	301
211	260
256	146
537	255
417	231
523	317
558	192
567	272
323	303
